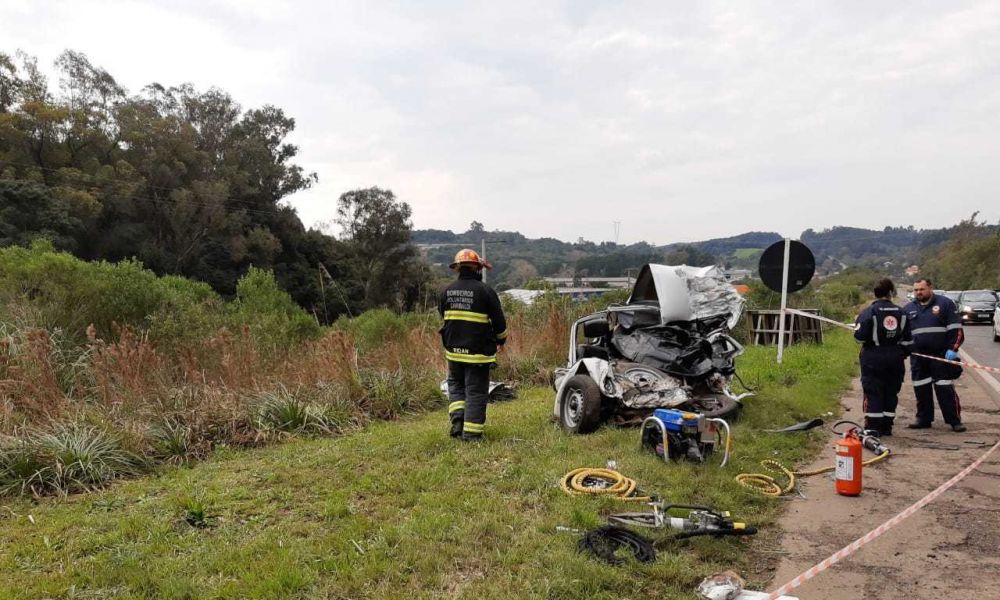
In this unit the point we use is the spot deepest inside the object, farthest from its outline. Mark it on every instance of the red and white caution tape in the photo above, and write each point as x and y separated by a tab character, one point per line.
959	363
802	313
878	531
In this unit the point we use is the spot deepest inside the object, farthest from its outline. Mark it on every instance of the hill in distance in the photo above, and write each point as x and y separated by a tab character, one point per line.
518	259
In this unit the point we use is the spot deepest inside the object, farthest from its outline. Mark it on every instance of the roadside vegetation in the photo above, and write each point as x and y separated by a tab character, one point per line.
969	259
399	510
107	370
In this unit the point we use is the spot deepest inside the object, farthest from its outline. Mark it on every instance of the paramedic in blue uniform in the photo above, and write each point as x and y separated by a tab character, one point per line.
936	328
884	332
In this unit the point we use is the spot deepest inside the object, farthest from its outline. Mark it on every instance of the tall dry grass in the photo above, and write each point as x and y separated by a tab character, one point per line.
175	402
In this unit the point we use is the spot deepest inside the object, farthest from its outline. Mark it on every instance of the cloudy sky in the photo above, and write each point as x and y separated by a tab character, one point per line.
683	121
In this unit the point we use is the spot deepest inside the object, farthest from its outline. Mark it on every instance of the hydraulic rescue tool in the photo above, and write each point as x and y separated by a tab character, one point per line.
677	434
614	543
693	521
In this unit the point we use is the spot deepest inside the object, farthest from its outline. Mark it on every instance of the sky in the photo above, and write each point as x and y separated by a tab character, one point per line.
682	121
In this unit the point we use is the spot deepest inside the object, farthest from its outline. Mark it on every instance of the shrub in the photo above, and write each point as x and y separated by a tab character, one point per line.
70	295
282	410
269	312
194	511
173	442
380	326
391	394
70	457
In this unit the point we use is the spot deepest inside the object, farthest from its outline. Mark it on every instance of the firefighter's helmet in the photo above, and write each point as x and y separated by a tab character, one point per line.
467	256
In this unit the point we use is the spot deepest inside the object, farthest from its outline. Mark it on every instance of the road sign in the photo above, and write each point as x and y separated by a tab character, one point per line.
801	265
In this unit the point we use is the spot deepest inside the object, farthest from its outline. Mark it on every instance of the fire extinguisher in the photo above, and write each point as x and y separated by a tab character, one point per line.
848	464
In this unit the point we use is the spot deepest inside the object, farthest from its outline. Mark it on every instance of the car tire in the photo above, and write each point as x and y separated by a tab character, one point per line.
996	336
716	407
580	409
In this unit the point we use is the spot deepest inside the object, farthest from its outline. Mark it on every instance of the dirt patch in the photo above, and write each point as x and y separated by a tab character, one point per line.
947	549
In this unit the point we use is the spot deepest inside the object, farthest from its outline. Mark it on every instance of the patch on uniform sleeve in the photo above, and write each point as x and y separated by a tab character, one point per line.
890	323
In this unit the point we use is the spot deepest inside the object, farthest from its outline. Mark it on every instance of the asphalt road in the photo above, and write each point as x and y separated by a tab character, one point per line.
980	345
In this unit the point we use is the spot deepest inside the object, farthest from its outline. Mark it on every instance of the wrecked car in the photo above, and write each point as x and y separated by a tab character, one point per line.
668	346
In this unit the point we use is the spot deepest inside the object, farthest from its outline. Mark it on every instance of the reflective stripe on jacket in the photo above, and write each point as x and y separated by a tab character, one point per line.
474	323
883	324
936	326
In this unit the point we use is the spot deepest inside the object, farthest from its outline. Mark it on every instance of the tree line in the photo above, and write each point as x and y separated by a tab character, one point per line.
969	258
189	183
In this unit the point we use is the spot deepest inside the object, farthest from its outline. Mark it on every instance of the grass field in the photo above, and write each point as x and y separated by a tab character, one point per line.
399	510
747	252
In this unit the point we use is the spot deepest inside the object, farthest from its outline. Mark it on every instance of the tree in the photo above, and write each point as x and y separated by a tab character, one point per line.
476	227
689	255
968	259
520	272
188	182
29	211
376	226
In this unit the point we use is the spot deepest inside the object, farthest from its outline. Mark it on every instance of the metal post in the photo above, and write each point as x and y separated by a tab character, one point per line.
322	291
482	254
784	302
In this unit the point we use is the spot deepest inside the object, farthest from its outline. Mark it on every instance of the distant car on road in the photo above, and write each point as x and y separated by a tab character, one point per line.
952	295
977	306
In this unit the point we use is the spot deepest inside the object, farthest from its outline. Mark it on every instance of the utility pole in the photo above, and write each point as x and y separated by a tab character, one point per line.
482	254
618	225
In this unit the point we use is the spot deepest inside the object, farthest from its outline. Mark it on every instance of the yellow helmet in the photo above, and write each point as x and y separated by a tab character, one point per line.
468	256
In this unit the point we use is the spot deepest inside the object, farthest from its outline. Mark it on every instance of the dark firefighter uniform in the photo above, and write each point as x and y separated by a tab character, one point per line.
936	327
884	332
474	327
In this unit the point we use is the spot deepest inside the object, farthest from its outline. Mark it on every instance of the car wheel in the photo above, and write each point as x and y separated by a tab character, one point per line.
581	405
715	406
996	336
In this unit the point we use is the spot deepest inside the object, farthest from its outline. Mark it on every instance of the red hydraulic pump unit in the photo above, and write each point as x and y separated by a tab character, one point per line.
848	465
848	473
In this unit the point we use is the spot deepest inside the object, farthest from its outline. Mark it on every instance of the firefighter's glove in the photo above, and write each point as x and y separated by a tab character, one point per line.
951	355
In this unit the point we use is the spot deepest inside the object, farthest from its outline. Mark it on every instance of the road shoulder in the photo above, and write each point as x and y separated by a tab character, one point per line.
947	547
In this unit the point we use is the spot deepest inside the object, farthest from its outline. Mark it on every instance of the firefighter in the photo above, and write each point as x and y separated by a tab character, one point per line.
936	328
474	331
884	332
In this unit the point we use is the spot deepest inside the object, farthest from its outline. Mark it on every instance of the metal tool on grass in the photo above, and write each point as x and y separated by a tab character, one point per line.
695	521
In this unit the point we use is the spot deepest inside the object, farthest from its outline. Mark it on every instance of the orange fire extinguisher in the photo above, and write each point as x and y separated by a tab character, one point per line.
848	465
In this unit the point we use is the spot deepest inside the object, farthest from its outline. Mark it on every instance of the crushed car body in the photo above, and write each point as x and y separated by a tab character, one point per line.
668	346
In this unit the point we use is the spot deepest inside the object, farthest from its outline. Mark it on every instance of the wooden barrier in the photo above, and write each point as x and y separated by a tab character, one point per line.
764	327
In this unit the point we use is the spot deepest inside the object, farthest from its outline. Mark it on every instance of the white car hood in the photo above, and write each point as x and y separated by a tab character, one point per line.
687	293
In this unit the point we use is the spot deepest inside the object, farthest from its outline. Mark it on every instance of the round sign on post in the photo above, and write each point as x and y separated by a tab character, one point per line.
801	265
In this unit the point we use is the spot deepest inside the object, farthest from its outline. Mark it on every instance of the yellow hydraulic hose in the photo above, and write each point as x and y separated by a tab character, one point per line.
769	486
619	486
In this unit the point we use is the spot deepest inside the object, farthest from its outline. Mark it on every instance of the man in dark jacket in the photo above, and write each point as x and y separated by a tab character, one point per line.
937	331
474	330
884	332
